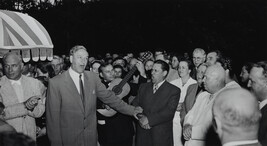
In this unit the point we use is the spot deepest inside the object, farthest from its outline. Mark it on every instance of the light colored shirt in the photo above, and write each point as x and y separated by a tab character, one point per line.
236	143
232	84
200	117
263	103
178	83
76	78
16	84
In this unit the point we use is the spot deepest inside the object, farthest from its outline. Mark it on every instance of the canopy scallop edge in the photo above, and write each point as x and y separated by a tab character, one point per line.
24	35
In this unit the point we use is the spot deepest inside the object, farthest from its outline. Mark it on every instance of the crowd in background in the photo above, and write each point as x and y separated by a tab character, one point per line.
205	80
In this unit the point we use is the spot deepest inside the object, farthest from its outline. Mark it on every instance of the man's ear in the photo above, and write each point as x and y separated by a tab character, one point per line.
71	58
22	65
218	124
165	73
101	74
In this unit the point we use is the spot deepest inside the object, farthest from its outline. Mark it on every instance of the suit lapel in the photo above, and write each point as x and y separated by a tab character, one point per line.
70	86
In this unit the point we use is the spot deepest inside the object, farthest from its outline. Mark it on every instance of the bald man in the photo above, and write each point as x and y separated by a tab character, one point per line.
22	96
199	118
236	117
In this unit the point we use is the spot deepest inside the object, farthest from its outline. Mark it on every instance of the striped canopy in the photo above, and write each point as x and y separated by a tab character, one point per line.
23	34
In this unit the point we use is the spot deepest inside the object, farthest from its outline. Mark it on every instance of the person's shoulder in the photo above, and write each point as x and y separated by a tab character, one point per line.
171	86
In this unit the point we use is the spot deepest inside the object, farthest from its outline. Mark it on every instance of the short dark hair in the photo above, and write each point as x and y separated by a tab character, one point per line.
248	66
102	65
262	64
164	65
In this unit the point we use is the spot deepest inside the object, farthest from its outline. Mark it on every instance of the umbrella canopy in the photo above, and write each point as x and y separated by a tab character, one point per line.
23	34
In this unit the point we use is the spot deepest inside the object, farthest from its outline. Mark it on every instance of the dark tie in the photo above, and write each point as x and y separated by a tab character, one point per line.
81	89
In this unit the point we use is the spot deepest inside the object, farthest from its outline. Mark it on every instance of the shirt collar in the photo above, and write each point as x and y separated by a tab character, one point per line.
160	83
236	143
16	81
263	103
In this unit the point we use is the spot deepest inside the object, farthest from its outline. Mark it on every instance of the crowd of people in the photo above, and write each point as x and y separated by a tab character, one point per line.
153	99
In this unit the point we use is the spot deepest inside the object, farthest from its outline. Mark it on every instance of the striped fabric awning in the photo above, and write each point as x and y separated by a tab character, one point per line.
22	33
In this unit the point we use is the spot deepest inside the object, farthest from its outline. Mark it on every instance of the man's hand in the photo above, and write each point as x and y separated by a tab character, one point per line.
31	103
144	122
141	68
187	131
137	110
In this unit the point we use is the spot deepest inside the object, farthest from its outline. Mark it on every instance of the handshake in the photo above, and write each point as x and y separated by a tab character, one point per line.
143	120
32	102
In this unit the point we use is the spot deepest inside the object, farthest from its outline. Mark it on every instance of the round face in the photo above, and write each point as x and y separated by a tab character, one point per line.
117	72
79	60
257	82
13	67
175	62
211	58
132	63
95	67
158	75
198	58
200	73
107	73
183	69
57	66
149	65
244	75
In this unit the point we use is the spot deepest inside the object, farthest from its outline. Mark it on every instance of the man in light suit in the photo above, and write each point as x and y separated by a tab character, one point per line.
236	117
71	103
22	96
156	128
258	85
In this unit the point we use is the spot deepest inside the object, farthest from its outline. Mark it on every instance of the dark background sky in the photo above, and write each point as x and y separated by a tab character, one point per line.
237	27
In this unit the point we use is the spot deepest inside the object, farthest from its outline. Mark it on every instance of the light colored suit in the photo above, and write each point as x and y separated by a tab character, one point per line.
15	113
69	122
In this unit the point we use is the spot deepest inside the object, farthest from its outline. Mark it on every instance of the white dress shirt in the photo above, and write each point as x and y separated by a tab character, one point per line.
16	84
76	78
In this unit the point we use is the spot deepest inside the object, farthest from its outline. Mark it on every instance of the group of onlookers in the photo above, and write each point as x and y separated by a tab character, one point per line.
176	99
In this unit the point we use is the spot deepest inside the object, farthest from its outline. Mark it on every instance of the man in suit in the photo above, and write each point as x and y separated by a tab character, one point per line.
22	96
71	103
155	124
258	85
236	117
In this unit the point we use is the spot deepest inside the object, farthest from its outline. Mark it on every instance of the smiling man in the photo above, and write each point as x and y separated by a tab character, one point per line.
71	103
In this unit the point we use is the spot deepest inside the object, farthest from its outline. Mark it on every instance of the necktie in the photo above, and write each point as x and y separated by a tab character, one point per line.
81	88
155	88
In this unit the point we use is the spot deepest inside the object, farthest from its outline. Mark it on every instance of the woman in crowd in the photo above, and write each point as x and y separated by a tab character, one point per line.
185	80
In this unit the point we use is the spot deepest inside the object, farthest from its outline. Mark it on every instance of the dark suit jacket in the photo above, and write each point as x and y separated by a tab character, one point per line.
262	135
159	109
69	121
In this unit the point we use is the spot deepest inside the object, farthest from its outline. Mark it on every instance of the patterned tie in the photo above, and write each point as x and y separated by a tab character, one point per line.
81	89
155	88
